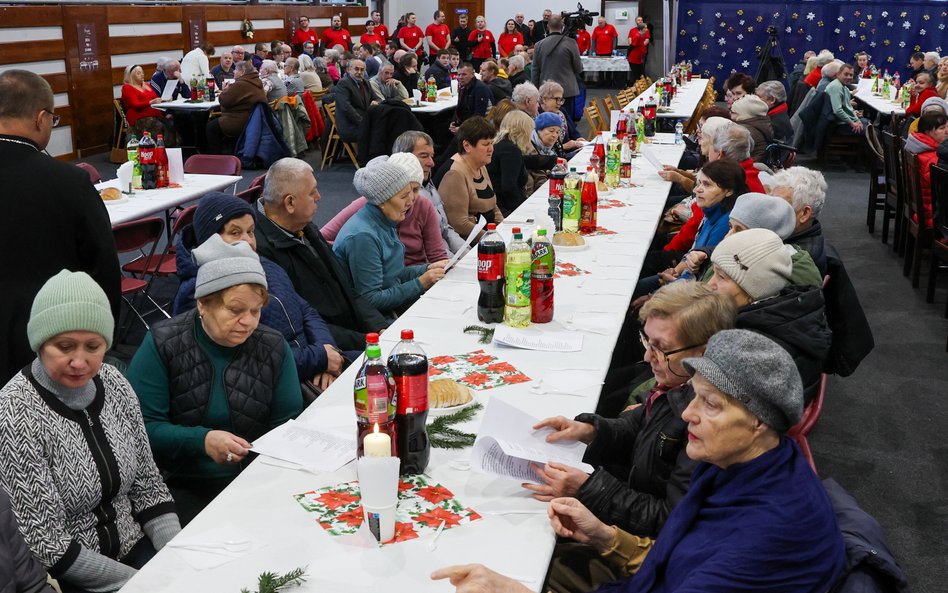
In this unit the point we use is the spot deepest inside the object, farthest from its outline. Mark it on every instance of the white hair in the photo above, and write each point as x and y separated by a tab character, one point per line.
932	56
832	69
525	91
549	87
773	89
808	187
516	62
734	141
270	66
306	63
823	58
282	177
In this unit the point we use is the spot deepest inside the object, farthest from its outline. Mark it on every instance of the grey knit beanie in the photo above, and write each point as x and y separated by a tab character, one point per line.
409	162
222	265
756	260
69	301
381	182
755	370
760	211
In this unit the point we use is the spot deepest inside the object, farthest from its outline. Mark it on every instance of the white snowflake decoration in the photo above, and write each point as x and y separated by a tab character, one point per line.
852	33
941	27
723	54
921	31
872	44
722	41
741	22
694	39
901	44
720	66
890	23
740	36
789	29
809	38
836	30
840	19
740	50
938	49
810	16
745	64
906	25
711	33
885	13
717	15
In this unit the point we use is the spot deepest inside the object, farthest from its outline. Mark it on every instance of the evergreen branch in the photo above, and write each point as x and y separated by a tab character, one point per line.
486	333
270	582
462	415
442	435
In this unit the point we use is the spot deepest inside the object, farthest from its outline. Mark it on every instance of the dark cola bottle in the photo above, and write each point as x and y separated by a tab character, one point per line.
148	161
491	253
409	368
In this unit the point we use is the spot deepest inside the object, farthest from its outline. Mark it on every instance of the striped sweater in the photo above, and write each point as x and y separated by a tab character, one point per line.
79	480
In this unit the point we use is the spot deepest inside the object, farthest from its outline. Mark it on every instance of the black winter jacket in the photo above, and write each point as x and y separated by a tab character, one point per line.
812	241
508	176
649	455
380	127
320	279
870	566
795	319
20	572
852	336
441	74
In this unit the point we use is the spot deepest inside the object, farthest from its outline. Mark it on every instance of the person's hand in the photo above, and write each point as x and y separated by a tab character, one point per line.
155	101
631	407
565	429
453	128
569	518
856	127
411	70
671	175
429	278
442	263
637	303
323	380
477	578
391	82
572	144
334	361
693	261
669	275
558	480
647	40
224	447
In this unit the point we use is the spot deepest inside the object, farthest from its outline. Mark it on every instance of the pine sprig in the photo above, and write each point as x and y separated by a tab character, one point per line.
442	435
271	582
486	333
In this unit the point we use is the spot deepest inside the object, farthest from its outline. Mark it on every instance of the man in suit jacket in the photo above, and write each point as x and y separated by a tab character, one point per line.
557	58
353	99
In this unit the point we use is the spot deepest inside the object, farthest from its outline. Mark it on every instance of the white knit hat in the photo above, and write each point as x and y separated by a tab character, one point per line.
756	260
749	106
409	162
381	182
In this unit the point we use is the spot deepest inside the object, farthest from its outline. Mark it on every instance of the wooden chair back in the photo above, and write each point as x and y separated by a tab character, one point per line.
893	168
914	205
594	118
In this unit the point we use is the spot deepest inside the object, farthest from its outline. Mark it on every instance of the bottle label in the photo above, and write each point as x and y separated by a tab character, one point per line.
556	187
371	399
146	156
543	260
490	267
412	394
518	286
571	205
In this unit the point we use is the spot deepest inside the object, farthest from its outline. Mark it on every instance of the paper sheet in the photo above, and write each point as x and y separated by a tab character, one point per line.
506	445
312	448
481	223
543	341
168	91
651	158
175	165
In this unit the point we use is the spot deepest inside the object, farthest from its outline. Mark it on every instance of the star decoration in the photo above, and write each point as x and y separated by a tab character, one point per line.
868	17
800	31
682	33
842	48
757	49
681	53
918	48
730	29
750	28
903	14
810	16
745	64
926	17
692	13
863	24
740	13
792	50
891	59
921	31
862	38
704	46
857	14
887	43
722	41
722	24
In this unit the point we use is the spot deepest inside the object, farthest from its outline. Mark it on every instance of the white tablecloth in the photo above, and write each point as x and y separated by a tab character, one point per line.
180	104
260	501
605	64
864	94
147	202
684	104
438	106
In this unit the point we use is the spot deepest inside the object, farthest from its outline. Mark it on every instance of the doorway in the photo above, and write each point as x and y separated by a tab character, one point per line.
452	8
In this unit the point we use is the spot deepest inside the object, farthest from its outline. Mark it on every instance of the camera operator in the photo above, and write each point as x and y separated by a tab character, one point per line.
556	58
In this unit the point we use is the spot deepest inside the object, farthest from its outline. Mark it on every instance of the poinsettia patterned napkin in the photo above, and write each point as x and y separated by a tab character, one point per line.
477	370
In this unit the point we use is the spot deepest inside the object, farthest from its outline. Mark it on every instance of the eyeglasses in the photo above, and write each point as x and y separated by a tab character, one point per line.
56	118
559	100
665	355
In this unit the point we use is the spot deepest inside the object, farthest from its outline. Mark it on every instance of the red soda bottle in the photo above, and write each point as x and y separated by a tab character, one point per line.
589	203
599	158
374	394
147	162
541	279
161	160
622	126
409	367
491	256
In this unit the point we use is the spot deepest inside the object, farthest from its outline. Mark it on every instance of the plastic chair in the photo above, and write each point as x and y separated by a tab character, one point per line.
251	194
142	236
94	176
212	164
811	414
163	264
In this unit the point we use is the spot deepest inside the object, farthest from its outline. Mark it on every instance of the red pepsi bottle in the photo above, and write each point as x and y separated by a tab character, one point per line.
148	162
491	253
409	367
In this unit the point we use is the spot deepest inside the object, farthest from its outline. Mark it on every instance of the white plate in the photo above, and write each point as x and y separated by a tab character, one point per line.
435	412
568	248
121	200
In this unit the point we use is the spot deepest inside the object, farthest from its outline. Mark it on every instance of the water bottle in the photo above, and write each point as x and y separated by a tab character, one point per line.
679	131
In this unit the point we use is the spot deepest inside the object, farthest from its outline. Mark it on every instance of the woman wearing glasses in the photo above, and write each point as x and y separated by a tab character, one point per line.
551	100
641	467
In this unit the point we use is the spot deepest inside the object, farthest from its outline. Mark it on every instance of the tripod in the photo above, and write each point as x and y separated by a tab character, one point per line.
771	65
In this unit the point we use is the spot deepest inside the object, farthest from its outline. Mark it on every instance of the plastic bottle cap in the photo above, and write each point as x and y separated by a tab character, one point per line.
408	334
589	168
374	351
541	232
491	226
515	230
517	236
572	169
372	338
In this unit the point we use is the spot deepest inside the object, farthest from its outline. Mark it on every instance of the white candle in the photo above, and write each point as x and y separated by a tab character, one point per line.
377	444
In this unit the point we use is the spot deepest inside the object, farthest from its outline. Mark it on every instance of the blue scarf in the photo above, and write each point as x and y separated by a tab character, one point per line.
764	525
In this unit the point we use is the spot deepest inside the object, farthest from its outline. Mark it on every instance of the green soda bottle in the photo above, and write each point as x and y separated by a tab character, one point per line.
517	269
572	201
613	156
432	89
131	149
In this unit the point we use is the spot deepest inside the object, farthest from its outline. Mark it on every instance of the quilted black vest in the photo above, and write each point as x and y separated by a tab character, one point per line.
249	379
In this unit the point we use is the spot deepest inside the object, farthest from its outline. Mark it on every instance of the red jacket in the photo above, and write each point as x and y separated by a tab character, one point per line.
916	107
685	238
584	41
924	147
138	103
637	47
813	78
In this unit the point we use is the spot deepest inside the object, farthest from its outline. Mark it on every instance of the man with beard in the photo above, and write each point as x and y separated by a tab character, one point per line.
639	38
336	35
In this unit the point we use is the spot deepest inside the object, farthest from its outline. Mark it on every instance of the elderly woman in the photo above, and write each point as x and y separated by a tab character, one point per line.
507	170
941	77
924	90
932	131
755	518
292	79
546	135
754	268
551	101
76	463
368	244
466	187
331	57
419	231
750	111
224	70
237	103
311	82
212	380
273	85
139	100
318	361
814	67
642	471
775	96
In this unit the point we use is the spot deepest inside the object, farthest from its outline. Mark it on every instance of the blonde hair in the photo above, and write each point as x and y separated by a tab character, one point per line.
517	127
128	72
698	311
942	88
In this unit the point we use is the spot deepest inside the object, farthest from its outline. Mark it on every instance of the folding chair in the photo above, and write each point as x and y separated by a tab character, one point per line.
939	243
811	414
916	232
163	264
251	194
334	141
894	192
141	236
94	176
212	164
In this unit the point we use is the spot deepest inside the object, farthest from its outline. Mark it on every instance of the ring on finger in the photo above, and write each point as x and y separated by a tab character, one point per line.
230	457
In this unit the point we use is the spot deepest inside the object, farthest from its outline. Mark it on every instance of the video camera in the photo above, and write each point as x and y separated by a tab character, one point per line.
573	21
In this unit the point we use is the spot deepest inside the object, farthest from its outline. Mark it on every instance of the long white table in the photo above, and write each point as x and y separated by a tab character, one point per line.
438	106
180	104
882	105
259	502
683	105
147	202
605	63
